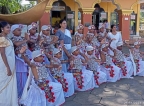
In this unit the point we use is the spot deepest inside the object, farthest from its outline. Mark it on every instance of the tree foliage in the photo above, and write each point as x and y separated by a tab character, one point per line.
9	6
14	6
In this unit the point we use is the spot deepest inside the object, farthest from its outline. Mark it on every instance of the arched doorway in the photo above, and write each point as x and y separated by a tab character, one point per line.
99	15
58	12
61	11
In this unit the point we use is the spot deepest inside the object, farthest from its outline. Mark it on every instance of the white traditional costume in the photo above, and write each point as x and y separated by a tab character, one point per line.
21	66
99	76
137	61
79	38
42	92
125	65
66	79
47	44
35	44
83	79
92	35
112	71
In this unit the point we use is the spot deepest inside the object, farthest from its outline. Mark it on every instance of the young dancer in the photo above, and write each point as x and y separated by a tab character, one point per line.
136	57
121	62
48	40
92	34
112	71
84	79
34	37
21	65
93	64
42	90
66	79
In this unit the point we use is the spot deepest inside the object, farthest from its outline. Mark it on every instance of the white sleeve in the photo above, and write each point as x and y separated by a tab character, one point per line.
120	37
109	35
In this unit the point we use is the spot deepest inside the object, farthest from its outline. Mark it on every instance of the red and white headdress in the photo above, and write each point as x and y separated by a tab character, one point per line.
91	27
46	27
80	26
15	26
33	25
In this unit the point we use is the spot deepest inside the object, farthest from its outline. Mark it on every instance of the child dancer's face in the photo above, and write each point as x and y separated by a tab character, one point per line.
137	46
105	49
17	32
90	39
32	31
76	52
90	52
80	31
119	47
99	38
17	52
46	32
58	55
102	29
91	30
39	59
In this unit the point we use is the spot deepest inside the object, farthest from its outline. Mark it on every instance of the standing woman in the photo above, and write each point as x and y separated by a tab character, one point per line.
113	34
8	85
64	34
115	37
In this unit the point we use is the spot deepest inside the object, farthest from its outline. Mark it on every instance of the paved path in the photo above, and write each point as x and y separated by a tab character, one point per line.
126	92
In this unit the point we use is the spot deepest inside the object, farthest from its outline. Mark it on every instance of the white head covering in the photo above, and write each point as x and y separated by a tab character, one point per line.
89	48
55	51
74	48
36	53
45	27
33	25
104	45
119	44
136	43
15	26
80	26
91	27
101	25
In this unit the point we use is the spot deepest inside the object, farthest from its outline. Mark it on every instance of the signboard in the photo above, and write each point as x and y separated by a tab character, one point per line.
141	1
58	8
126	18
70	16
133	17
103	15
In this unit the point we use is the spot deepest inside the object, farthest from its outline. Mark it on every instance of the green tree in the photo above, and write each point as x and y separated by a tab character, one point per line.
14	6
9	6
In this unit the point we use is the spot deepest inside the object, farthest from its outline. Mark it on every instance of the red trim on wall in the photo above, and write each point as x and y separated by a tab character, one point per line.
45	19
86	18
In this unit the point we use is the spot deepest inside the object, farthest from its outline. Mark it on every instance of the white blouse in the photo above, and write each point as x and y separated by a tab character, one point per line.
118	38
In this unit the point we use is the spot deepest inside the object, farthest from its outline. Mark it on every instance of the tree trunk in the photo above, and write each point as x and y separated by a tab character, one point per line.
4	10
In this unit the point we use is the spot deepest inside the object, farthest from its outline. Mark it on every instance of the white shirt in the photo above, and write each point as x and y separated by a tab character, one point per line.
118	38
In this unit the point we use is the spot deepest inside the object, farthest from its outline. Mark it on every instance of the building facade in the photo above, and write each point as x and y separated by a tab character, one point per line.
123	13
